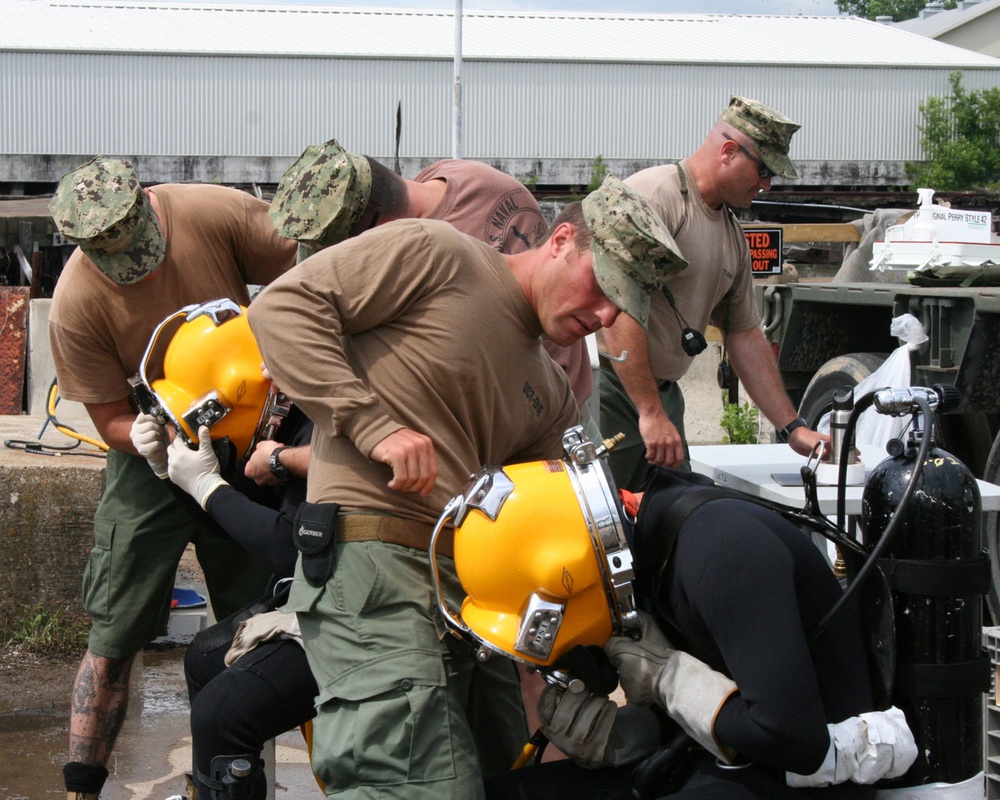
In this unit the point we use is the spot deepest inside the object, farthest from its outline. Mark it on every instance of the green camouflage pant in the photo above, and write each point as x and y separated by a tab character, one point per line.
628	459
400	714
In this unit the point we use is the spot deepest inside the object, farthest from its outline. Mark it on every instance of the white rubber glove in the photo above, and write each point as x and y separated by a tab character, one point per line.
654	672
863	749
150	439
593	731
197	472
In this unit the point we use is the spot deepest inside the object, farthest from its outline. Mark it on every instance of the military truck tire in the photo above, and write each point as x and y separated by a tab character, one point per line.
991	535
847	370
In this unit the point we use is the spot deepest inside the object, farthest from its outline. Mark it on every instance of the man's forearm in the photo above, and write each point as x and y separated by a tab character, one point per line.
114	424
755	365
296	460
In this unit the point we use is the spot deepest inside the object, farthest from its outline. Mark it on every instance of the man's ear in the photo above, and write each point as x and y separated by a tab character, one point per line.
562	237
729	151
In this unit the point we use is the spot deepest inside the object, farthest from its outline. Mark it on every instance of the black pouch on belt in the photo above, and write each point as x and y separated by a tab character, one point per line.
315	536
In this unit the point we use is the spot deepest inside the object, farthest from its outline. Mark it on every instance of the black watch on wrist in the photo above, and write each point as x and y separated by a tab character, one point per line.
786	432
278	470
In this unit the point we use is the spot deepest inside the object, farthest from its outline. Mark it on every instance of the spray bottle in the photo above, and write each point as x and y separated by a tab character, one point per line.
921	226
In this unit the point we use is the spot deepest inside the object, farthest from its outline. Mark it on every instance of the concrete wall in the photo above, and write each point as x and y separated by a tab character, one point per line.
47	506
47	502
41	370
16	170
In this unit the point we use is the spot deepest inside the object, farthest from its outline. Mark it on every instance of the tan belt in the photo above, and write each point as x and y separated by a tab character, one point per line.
393	530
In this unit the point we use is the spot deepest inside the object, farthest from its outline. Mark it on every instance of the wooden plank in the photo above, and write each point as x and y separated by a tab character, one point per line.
812	232
25	208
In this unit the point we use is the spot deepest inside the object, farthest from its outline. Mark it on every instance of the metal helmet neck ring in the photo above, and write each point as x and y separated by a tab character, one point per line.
542	555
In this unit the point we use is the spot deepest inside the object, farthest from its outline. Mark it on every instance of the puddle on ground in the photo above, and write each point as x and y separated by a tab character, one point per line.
153	750
161	693
33	740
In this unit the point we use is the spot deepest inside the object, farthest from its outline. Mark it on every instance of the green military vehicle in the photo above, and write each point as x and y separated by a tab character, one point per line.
831	333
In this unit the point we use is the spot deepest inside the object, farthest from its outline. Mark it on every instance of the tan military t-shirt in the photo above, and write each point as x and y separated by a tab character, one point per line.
218	241
718	265
413	325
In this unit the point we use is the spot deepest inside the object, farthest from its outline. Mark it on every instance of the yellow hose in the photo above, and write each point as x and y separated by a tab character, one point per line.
51	414
537	740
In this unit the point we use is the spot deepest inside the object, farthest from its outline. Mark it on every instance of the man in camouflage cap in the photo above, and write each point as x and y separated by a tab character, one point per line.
322	196
747	146
142	254
416	350
330	194
770	132
633	252
101	207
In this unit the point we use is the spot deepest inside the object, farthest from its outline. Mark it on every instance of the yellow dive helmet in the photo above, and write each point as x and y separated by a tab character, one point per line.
541	553
203	367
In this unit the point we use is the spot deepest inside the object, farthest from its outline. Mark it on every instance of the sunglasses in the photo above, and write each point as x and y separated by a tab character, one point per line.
763	170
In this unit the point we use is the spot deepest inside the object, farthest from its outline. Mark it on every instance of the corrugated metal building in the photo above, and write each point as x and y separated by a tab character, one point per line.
232	93
972	24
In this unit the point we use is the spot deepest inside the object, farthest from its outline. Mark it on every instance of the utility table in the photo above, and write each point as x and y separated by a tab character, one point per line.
752	468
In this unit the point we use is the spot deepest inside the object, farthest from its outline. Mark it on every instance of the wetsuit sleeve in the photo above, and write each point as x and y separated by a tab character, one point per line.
263	531
736	591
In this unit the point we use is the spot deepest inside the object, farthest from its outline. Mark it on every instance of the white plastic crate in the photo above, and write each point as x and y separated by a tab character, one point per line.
890	256
991	747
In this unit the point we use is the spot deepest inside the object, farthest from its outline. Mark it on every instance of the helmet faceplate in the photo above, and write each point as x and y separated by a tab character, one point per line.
541	553
203	367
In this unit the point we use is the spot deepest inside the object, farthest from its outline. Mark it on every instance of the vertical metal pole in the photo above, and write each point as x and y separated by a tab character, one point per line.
36	274
456	141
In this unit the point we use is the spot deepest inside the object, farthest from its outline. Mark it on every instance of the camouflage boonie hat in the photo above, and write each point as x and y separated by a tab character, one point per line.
634	253
322	195
770	131
102	208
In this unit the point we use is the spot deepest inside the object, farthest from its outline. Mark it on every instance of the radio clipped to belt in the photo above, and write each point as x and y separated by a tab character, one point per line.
315	537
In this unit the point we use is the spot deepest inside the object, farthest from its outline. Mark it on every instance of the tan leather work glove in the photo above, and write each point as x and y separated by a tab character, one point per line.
652	672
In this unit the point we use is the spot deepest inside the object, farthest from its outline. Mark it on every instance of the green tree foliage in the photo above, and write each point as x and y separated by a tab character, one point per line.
897	9
960	135
598	172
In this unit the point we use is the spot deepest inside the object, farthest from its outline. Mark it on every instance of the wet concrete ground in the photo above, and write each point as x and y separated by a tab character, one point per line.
154	748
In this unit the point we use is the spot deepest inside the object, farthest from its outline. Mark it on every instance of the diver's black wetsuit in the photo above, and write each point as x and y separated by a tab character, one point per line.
742	590
235	710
